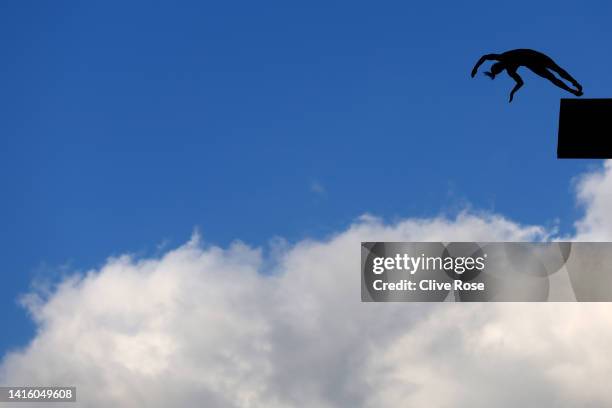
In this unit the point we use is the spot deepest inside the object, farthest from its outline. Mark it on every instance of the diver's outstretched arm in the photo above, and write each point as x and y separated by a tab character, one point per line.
519	83
482	59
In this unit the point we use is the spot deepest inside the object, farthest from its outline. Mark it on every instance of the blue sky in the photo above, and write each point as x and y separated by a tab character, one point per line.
125	126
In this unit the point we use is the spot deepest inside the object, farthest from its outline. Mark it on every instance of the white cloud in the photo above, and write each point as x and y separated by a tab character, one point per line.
594	192
207	326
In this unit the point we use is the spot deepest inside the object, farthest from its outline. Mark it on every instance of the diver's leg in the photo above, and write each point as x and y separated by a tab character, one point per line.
565	75
544	73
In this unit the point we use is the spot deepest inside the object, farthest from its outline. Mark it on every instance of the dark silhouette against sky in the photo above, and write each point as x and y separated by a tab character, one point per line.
584	129
539	63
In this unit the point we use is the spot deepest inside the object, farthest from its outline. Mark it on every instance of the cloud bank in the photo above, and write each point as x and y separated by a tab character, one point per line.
227	327
594	192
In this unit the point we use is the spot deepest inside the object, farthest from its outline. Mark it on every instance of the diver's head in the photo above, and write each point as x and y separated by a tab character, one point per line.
496	68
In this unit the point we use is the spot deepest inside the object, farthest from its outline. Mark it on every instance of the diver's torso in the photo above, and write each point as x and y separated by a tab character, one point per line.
525	57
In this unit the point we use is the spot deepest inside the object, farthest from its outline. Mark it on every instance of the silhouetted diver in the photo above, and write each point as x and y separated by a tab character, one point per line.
536	61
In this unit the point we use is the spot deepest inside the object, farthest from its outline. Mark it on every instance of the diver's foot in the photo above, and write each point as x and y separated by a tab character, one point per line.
578	92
